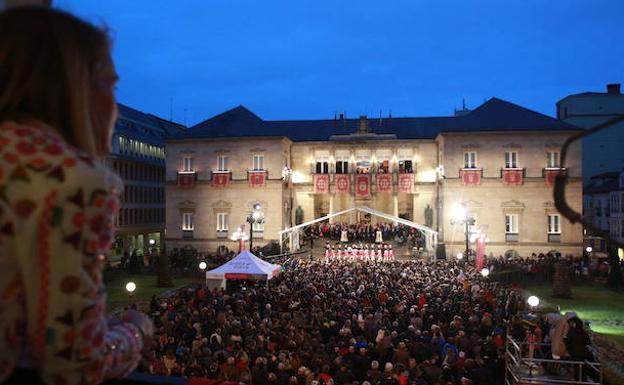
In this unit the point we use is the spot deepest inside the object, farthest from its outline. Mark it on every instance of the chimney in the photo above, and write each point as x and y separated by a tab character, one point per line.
363	127
341	116
613	88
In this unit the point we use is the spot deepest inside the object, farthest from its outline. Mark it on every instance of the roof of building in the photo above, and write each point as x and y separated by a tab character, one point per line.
145	127
493	115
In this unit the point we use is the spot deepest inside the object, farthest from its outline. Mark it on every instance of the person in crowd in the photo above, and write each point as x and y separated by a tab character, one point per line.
58	202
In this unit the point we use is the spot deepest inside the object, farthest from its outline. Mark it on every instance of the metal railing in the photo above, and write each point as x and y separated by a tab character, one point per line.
521	367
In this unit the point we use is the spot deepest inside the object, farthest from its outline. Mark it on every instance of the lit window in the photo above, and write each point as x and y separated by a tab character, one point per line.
188	163
222	163
187	221
342	166
222	222
553	159
405	166
322	167
258	162
470	160
554	224
511	159
511	223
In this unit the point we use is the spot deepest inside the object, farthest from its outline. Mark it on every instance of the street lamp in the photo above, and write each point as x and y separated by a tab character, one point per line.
485	272
533	301
240	236
202	266
589	249
254	217
460	216
130	288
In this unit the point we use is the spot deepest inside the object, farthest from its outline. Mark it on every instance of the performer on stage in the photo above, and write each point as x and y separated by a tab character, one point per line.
339	252
327	249
343	236
378	237
390	253
385	253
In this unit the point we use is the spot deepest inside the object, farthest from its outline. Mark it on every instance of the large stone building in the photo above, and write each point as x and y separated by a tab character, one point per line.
138	157
498	161
603	150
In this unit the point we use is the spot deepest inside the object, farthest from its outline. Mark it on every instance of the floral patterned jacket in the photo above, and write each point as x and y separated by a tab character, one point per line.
56	214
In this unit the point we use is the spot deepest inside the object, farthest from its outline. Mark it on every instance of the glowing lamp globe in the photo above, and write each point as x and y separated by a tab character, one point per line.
130	287
588	249
255	215
485	272
533	301
203	265
460	255
152	241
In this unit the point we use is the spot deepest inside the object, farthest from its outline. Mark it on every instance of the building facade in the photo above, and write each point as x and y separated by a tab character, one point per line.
602	150
498	161
138	157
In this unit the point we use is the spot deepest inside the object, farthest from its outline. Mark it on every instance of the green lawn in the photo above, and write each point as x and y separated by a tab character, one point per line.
145	288
603	307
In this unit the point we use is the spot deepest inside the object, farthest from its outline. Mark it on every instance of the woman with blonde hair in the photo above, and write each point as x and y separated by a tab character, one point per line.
57	202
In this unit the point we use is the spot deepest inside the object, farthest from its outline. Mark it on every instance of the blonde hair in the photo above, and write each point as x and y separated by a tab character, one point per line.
47	62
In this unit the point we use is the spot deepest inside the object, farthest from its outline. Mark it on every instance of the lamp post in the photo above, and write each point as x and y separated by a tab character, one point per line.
130	288
254	217
460	216
202	267
240	236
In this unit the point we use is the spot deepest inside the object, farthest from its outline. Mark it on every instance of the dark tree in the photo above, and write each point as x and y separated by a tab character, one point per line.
561	280
163	271
615	281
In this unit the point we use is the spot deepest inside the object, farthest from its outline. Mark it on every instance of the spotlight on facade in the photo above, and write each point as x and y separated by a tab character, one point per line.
533	301
485	272
130	287
458	214
202	265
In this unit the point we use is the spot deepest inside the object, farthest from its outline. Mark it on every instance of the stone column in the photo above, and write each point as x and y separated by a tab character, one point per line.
331	207
395	206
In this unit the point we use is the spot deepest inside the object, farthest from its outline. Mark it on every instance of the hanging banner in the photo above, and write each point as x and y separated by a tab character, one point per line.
551	174
321	183
257	178
406	183
186	179
471	177
480	260
220	179
513	177
384	183
342	183
362	185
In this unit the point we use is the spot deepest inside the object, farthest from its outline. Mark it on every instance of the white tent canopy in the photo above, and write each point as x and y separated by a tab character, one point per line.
431	236
245	266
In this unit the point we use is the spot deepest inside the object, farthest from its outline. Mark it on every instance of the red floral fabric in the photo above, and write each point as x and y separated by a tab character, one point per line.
56	223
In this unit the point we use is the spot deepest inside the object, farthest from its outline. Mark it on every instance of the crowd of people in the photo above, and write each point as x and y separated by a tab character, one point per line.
366	252
330	321
367	232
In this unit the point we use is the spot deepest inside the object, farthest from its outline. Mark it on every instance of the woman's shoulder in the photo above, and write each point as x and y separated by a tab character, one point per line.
38	162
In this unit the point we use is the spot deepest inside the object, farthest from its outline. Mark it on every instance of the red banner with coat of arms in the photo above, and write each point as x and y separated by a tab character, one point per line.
342	182
220	179
321	183
513	177
551	174
362	185
406	183
257	178
384	183
471	177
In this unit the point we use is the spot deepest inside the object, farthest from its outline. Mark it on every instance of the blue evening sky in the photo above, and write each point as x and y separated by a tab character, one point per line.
304	59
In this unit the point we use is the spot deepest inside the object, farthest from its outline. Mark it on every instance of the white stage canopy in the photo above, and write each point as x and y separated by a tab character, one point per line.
245	266
431	236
